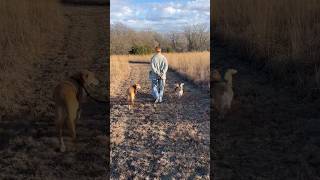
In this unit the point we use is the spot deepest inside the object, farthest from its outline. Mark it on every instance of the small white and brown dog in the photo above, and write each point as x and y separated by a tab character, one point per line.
178	89
223	91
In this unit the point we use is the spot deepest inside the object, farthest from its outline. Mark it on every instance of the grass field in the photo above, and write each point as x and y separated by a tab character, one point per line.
282	34
27	30
119	69
171	138
274	46
66	39
192	65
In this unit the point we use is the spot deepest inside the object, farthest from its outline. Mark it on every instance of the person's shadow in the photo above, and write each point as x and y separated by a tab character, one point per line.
143	97
138	62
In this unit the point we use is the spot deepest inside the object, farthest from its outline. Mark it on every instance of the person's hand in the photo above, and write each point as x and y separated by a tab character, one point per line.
161	75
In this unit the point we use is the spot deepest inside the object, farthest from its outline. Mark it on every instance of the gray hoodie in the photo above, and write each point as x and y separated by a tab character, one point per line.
159	67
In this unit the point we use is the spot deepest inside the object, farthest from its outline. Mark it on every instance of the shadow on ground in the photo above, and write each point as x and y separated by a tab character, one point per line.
163	141
270	132
138	62
29	145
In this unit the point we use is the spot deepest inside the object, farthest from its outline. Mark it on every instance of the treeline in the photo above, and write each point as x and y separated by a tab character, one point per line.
125	40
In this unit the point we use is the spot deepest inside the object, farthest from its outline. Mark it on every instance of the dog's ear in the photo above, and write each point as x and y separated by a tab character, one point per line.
138	86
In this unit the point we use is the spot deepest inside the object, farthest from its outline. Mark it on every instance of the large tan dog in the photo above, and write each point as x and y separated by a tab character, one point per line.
223	92
68	96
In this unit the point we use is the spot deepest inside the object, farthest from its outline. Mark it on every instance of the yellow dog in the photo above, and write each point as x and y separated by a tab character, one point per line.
68	96
131	94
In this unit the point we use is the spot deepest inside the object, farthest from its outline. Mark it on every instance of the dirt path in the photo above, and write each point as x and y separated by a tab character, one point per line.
166	141
29	149
271	133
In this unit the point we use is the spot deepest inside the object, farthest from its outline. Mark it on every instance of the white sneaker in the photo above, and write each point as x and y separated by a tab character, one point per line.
160	99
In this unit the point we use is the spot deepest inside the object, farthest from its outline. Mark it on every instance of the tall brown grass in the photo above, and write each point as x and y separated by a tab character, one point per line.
119	69
193	65
285	33
27	29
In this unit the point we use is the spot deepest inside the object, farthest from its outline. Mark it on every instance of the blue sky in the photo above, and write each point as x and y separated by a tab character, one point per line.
160	15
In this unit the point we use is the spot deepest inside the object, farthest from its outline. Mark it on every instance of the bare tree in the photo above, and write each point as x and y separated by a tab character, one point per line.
203	37
121	38
173	39
193	38
198	37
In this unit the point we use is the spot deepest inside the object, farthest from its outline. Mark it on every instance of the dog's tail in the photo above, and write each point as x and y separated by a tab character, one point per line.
181	85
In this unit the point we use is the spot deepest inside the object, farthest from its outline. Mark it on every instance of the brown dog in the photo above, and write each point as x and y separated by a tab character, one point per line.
131	94
68	96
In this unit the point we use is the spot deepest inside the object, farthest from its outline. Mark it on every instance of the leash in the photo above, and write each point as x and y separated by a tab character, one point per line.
93	98
87	92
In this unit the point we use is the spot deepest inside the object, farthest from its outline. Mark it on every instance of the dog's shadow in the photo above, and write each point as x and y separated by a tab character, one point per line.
118	100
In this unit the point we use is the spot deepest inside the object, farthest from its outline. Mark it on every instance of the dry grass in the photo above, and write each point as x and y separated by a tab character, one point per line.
283	32
119	69
27	29
192	65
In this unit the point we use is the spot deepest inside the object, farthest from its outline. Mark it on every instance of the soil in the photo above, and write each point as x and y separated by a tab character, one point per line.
169	140
270	132
29	146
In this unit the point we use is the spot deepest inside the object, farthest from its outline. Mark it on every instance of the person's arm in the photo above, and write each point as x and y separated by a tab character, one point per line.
165	65
153	66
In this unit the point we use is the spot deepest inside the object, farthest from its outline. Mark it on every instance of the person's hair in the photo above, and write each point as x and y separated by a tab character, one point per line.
158	49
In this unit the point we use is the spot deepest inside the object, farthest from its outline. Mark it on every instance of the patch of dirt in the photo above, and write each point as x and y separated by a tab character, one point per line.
170	140
270	133
29	147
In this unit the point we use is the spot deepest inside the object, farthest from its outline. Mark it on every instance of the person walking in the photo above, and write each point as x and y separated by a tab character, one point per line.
157	75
